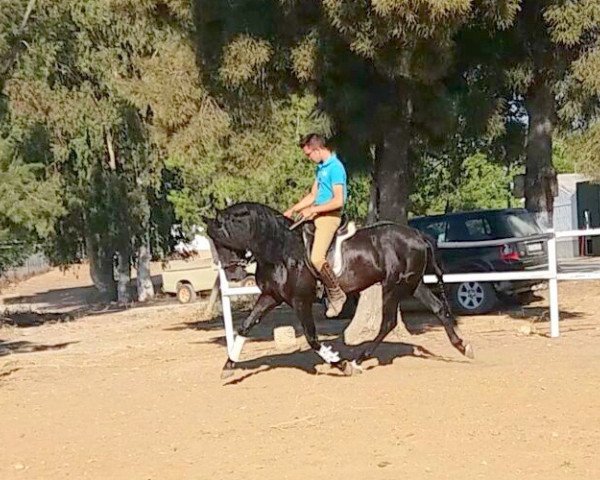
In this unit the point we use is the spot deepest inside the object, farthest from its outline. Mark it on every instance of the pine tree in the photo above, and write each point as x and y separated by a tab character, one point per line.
538	68
377	68
76	82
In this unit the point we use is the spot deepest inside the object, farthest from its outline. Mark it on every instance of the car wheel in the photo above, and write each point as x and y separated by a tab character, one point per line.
473	297
185	293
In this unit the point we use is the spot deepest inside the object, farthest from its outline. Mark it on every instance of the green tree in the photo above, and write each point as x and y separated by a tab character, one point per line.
78	79
29	205
15	23
260	162
564	157
377	69
29	196
481	184
538	67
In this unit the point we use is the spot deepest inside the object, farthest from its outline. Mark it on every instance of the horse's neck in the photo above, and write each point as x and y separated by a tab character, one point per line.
277	246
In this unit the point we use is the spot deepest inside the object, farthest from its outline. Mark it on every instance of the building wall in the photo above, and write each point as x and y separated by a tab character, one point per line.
565	218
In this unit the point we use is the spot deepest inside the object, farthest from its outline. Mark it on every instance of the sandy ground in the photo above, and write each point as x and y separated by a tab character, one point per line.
137	394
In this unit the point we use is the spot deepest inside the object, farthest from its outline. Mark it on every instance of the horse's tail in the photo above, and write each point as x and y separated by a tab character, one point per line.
433	268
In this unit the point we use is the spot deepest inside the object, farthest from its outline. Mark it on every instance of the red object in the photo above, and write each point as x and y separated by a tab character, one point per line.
581	246
509	253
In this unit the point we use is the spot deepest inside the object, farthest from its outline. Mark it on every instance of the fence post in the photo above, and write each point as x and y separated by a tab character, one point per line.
227	317
553	285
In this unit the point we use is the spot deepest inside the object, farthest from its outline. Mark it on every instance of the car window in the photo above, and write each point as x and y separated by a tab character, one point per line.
521	224
435	229
465	229
478	229
457	230
473	226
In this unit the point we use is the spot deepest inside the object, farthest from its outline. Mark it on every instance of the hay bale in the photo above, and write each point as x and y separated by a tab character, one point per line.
285	338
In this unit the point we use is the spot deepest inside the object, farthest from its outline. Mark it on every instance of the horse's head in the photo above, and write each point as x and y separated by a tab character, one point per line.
256	228
232	228
230	232
233	262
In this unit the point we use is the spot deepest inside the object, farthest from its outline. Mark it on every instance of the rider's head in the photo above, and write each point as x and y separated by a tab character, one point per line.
314	147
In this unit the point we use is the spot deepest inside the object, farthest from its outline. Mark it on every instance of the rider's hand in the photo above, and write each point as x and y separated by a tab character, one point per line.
289	213
308	213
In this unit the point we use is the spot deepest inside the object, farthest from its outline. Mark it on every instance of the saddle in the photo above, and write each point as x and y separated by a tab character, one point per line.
335	257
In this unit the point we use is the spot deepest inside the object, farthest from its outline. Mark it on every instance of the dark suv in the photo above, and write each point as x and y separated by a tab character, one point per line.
529	254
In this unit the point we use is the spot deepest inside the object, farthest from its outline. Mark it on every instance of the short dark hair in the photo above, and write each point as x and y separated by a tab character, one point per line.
313	140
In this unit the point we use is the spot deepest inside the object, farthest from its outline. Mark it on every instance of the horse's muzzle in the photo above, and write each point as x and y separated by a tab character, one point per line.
235	273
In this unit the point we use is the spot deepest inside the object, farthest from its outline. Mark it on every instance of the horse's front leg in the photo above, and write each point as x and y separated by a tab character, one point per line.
263	305
303	309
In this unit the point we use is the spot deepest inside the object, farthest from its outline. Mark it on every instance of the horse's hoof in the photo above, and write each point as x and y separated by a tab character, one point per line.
347	368
350	368
469	353
228	369
356	367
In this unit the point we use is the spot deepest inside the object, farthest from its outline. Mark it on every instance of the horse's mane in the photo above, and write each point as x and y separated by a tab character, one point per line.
271	239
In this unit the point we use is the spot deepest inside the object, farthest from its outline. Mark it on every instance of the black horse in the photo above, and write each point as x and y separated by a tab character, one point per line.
394	255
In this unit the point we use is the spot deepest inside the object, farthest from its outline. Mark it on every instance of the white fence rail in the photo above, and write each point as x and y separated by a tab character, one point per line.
551	274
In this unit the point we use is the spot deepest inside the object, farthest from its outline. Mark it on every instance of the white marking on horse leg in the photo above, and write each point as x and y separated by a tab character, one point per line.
329	355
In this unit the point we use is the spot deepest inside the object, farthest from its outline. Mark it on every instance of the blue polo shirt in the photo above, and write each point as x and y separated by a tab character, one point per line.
330	172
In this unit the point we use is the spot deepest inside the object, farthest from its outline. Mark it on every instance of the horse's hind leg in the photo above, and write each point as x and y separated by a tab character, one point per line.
391	299
441	309
263	305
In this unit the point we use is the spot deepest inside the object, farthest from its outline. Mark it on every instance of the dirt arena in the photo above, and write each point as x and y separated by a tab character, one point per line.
137	394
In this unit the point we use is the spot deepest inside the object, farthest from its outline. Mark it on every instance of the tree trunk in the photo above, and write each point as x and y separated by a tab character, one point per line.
393	172
367	320
214	296
373	211
123	276
540	176
145	289
101	267
390	192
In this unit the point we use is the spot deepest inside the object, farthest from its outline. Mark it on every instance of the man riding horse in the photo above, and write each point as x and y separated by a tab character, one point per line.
386	253
324	205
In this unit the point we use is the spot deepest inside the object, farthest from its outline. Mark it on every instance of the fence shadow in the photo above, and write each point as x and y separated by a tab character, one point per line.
8	348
